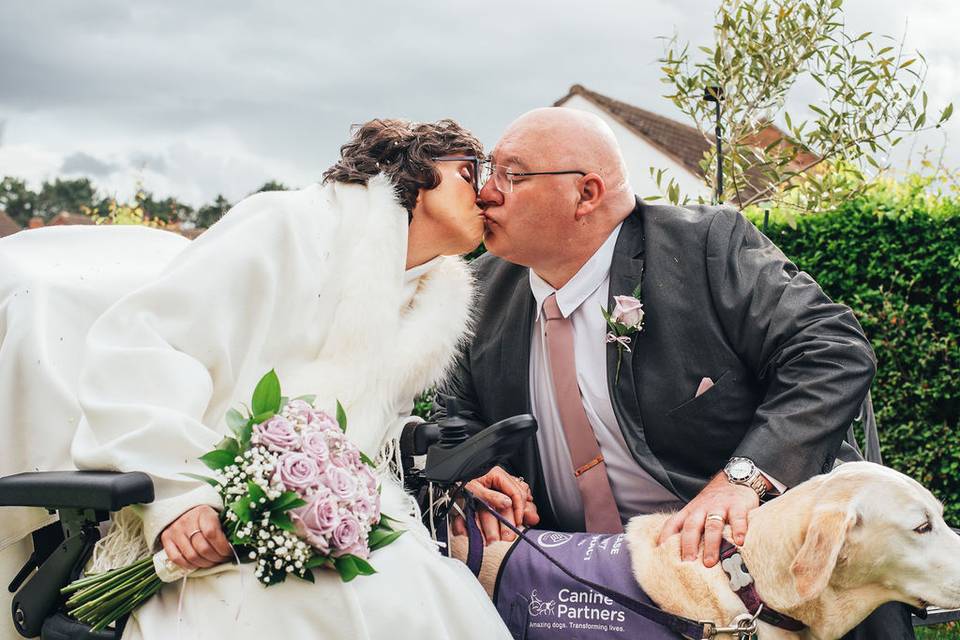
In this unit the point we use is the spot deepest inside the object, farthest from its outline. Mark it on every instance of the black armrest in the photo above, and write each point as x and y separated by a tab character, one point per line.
99	490
417	438
477	454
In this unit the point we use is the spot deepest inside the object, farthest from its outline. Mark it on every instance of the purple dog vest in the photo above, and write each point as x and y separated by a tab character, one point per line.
538	601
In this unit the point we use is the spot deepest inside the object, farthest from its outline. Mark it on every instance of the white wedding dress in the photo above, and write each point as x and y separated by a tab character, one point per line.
310	283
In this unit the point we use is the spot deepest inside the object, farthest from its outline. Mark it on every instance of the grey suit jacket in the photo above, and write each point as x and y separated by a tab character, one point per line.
790	366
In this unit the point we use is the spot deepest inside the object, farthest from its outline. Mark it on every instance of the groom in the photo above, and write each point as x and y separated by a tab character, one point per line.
736	383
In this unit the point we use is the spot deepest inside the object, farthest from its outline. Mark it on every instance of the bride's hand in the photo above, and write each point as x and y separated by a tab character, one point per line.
195	540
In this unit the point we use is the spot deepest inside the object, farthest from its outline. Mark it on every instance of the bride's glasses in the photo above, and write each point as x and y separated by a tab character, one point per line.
504	175
475	167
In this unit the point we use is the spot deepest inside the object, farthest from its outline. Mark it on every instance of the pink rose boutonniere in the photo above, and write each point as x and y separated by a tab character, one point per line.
624	321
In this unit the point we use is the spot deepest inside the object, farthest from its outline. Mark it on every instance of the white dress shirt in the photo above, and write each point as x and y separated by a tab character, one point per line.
581	300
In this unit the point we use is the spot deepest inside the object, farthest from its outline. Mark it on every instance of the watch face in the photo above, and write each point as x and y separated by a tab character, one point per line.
740	469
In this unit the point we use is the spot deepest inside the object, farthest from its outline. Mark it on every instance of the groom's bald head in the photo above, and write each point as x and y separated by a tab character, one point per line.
572	137
554	223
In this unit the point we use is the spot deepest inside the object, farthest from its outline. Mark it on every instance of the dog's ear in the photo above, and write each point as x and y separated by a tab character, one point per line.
817	558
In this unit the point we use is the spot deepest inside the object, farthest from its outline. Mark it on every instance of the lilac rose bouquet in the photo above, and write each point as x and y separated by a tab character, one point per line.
297	495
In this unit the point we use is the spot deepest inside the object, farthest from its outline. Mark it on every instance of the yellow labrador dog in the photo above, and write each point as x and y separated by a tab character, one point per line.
827	553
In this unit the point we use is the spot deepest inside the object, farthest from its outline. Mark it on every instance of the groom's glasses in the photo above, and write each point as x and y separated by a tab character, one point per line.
475	164
504	175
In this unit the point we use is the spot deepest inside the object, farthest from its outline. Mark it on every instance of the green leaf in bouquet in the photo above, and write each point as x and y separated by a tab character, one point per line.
217	459
255	492
366	460
241	507
282	521
385	519
261	418
287	500
213	482
241	427
309	398
235	421
266	397
230	445
318	561
350	566
307	576
341	417
381	537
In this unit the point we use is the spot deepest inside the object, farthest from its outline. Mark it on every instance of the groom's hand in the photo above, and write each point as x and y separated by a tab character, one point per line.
731	502
512	499
196	540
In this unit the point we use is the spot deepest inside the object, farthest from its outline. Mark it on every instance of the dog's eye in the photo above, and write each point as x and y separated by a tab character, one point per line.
926	527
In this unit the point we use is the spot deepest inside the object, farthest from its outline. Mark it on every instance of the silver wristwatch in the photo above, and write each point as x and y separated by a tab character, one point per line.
743	471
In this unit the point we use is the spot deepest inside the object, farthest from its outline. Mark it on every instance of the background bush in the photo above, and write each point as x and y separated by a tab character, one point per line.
893	255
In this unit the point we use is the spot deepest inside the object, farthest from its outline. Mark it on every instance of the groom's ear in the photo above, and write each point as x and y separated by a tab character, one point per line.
592	189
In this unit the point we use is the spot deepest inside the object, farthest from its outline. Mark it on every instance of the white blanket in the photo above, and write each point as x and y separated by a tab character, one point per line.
54	283
312	284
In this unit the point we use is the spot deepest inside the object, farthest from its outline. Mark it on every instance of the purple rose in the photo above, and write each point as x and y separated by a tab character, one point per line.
628	311
346	537
316	521
299	408
360	548
338	445
352	460
314	444
277	434
367	509
298	471
367	478
341	482
322	420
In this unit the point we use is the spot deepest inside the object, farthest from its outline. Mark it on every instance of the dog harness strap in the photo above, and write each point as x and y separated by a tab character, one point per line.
677	624
599	507
474	540
743	585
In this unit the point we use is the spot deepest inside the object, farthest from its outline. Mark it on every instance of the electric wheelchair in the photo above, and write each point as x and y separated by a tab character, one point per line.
438	454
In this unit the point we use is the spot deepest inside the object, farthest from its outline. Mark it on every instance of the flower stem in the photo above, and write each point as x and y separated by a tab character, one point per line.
91	600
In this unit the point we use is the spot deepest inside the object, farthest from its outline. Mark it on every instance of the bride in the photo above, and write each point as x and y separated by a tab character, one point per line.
348	289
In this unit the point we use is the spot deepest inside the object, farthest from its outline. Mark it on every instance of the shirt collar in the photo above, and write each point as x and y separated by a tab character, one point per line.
582	285
415	272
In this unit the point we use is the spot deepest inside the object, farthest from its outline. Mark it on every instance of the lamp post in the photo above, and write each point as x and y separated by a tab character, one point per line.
715	95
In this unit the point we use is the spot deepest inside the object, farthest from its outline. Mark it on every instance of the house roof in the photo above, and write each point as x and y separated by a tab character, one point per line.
7	226
65	217
679	141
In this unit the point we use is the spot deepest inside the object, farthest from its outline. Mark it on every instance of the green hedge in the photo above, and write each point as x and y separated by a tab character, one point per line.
894	257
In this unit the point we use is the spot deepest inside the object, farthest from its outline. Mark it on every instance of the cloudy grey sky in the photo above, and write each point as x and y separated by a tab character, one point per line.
199	98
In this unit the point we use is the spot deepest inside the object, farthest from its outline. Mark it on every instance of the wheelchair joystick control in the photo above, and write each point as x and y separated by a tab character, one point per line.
453	428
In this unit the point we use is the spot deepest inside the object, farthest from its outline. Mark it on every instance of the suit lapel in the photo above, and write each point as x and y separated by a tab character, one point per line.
515	348
626	272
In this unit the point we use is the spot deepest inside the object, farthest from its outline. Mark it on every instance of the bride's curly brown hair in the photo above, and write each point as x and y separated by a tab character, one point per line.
402	150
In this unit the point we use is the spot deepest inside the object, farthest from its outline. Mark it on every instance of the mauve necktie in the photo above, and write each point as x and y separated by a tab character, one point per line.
599	508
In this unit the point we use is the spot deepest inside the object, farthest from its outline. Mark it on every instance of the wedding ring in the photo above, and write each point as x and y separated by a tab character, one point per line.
716	516
190	537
